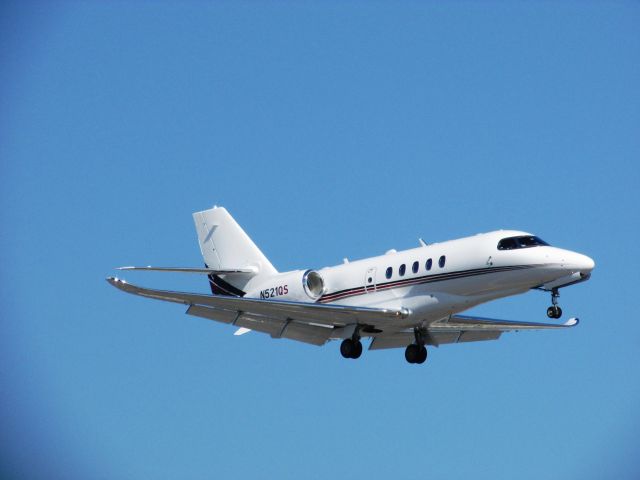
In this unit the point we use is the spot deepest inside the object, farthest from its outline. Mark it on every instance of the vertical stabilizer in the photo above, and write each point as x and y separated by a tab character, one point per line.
225	245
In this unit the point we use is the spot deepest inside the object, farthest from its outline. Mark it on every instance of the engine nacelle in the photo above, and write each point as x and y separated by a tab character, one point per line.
297	286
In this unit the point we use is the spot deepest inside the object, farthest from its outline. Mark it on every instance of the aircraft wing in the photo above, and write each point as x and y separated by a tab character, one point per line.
467	323
463	328
306	322
207	271
316	323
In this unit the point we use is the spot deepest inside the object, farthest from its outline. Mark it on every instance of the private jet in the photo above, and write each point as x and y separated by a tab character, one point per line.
412	298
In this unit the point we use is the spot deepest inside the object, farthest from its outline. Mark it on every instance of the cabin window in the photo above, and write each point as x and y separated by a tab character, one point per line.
429	264
389	272
415	267
442	260
402	269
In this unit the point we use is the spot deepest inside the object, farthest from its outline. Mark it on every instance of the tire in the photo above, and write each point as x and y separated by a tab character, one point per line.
357	349
347	348
412	352
554	312
422	355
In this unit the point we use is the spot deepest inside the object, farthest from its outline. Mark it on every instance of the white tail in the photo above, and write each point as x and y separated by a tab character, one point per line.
226	246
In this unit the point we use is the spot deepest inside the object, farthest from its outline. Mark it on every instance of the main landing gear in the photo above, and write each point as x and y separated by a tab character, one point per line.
554	311
416	352
351	347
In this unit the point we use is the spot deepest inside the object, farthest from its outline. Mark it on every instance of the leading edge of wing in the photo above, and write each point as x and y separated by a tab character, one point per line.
468	323
334	315
207	271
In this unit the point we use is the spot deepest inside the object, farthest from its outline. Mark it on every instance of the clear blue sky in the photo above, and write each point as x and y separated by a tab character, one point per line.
329	130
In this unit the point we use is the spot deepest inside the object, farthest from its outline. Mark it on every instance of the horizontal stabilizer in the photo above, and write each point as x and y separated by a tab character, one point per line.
206	271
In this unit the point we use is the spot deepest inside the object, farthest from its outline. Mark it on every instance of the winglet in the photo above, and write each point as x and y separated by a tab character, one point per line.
572	322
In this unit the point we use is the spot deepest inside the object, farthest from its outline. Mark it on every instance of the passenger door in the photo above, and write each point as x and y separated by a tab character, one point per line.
370	280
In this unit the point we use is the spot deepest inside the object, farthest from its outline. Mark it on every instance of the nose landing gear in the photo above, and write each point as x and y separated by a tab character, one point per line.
554	311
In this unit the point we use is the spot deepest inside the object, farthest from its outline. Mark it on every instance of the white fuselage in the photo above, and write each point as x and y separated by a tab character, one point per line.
463	273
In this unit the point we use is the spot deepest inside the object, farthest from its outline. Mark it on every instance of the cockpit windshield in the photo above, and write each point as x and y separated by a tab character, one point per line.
524	241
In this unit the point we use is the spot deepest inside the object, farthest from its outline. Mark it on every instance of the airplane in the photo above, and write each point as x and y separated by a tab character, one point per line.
411	298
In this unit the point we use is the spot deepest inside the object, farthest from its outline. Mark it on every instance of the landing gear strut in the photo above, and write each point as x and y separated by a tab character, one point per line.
416	352
351	347
554	311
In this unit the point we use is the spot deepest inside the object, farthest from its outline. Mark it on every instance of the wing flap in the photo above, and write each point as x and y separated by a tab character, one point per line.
218	315
392	340
402	339
313	334
271	326
471	336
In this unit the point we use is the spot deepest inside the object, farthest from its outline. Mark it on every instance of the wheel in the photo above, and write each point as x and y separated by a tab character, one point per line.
554	312
412	353
422	355
347	348
357	349
350	348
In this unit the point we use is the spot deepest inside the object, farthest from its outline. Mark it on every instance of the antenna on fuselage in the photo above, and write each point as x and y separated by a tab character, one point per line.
422	244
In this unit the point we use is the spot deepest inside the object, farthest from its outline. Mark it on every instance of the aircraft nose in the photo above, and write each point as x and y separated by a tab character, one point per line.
581	262
589	264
